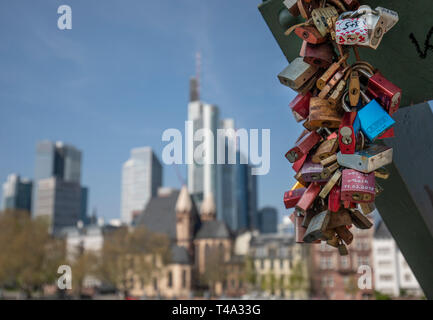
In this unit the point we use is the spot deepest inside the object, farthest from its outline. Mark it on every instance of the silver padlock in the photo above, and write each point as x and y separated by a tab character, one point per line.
297	73
367	160
375	22
390	17
376	29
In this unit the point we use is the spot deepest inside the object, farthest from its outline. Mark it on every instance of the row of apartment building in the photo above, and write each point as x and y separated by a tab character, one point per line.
278	267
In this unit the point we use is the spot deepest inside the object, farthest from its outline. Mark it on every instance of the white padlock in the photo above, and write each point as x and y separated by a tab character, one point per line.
375	24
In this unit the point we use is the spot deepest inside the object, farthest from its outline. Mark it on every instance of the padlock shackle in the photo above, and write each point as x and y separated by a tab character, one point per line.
365	97
343	58
364	9
338	4
344	104
365	73
364	65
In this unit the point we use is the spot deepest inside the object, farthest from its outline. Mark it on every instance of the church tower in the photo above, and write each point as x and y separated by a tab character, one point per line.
184	219
208	208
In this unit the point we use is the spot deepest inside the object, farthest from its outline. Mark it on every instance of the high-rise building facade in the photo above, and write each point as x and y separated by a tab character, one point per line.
268	220
242	195
57	191
202	171
17	193
231	182
60	202
252	200
246	193
56	159
141	178
84	217
227	177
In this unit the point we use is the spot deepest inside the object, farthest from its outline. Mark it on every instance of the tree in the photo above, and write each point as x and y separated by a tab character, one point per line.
351	286
268	282
84	264
29	256
381	296
249	274
129	255
215	269
297	281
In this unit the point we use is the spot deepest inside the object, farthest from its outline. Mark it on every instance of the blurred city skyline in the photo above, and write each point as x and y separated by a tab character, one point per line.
114	83
120	77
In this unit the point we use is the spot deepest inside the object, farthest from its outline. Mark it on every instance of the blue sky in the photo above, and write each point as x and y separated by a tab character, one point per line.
119	78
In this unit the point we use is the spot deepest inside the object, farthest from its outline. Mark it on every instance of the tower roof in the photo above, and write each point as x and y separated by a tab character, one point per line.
381	231
208	207
213	229
184	202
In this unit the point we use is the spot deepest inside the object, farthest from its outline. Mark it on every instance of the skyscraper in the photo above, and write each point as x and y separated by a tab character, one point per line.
242	203
202	172
83	212
233	186
17	193
268	220
246	191
227	179
56	159
253	216
57	190
59	201
141	178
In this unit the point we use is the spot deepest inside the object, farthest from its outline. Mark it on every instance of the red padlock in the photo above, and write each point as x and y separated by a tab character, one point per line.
292	197
301	106
292	217
383	91
334	199
308	197
320	55
351	5
349	205
346	133
387	134
310	34
299	163
299	229
303	146
357	187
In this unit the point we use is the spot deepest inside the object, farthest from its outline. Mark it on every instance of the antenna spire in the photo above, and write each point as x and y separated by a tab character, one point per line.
198	72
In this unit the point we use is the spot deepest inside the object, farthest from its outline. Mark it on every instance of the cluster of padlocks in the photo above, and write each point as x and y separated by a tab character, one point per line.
345	109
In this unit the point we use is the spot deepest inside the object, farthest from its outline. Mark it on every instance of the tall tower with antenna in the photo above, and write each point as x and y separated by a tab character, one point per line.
194	82
202	174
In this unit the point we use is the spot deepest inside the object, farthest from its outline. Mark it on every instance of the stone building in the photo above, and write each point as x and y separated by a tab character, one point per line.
280	265
392	274
201	248
335	277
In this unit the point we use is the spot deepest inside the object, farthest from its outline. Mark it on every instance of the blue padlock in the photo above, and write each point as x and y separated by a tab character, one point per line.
373	119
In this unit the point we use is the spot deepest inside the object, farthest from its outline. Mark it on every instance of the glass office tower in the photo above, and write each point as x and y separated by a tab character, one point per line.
57	189
17	193
141	178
